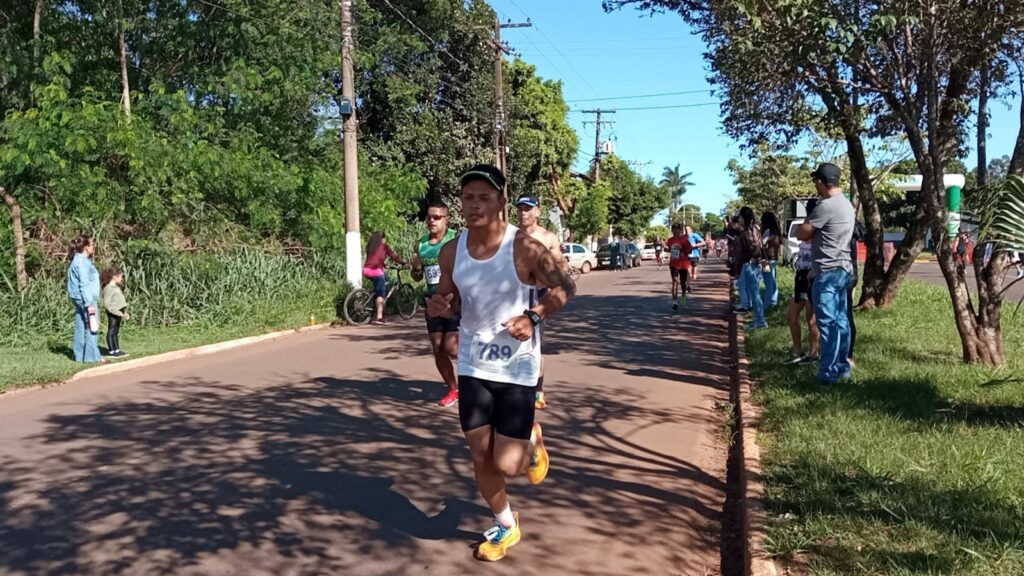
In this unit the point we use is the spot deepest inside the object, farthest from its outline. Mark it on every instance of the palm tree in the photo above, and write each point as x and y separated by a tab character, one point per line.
676	184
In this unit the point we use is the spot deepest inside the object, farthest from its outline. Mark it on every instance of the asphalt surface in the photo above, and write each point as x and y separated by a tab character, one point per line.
931	273
325	453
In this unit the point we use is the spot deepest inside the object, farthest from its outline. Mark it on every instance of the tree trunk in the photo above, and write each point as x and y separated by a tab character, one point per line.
980	335
126	100
983	88
1017	160
874	267
19	238
37	33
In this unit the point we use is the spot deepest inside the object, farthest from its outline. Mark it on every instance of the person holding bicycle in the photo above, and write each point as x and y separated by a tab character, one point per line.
377	253
443	332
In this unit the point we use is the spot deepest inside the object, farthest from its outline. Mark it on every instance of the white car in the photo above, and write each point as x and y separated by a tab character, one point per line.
580	256
648	253
791	247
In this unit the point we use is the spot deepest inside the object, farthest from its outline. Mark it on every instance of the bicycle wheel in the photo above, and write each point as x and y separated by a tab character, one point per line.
405	301
359	307
574	273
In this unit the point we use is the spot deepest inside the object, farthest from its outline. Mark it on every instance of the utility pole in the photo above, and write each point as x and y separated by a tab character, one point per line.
597	122
353	242
500	120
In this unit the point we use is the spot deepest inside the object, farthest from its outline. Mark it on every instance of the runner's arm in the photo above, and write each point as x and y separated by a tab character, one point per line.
415	264
443	302
555	246
544	270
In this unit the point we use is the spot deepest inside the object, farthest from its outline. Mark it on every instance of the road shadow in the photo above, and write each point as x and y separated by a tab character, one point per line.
314	475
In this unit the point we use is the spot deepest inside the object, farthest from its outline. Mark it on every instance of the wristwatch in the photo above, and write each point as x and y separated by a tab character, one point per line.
533	316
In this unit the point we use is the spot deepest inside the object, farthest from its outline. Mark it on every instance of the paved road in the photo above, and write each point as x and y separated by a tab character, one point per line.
931	273
324	453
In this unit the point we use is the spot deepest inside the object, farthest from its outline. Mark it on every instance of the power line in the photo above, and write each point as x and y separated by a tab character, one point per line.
639	96
670	106
425	35
557	51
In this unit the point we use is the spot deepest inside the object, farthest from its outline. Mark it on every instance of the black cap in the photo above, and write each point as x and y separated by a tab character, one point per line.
528	200
486	172
827	173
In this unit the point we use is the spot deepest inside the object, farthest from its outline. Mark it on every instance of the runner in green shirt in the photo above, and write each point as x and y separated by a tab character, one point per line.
444	332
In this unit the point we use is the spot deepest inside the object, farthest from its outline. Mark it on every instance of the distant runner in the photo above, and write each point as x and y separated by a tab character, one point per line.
493	268
679	264
697	241
443	332
529	216
659	245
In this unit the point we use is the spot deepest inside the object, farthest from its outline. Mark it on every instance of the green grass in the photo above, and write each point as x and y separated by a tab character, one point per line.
42	360
915	467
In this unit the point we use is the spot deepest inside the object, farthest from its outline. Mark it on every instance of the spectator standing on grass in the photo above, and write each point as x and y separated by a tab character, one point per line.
116	306
830	230
750	248
771	237
84	291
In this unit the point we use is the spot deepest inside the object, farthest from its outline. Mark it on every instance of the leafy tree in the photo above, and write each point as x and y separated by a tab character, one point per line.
590	215
658	231
713	223
771	180
689	215
543	144
891	66
634	200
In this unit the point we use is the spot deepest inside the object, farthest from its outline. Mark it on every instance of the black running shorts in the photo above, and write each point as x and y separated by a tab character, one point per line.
507	408
440	324
802	287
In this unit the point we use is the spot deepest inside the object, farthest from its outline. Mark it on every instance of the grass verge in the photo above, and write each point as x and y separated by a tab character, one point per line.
915	467
48	359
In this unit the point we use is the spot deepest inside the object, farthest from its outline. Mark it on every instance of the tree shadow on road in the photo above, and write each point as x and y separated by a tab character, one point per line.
319	474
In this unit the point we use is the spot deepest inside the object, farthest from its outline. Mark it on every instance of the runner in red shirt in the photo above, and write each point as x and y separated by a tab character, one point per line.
679	248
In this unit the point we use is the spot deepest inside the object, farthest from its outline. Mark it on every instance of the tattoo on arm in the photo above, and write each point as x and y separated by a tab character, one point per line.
553	274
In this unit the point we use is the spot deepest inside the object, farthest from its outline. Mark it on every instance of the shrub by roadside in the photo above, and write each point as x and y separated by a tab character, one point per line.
913	468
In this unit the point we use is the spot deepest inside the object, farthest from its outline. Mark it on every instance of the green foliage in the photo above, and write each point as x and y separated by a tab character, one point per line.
658	231
688	215
1000	210
675	183
771	179
713	223
590	216
634	200
165	287
543	144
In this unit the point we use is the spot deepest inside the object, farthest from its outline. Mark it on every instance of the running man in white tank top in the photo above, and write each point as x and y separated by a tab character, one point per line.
493	269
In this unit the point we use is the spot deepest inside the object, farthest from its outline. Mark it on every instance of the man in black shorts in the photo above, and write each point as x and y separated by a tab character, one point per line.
493	269
443	332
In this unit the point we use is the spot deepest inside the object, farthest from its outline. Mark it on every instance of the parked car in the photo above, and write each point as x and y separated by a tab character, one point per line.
791	246
580	256
648	252
634	254
604	257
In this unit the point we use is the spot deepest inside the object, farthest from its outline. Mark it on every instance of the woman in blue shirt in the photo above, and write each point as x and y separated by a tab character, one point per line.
84	290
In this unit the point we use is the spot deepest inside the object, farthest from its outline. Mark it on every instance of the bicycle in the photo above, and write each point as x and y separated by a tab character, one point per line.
360	306
574	273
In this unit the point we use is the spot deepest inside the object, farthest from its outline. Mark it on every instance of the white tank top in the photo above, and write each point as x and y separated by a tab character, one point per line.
493	294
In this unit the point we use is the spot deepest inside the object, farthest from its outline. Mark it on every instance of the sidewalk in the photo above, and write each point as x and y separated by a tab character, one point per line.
325	452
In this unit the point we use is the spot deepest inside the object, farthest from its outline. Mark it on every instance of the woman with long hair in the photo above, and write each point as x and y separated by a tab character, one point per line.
377	253
84	291
771	239
751	248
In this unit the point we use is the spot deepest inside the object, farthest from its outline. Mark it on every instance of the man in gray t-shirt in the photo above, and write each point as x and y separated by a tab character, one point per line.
833	219
830	229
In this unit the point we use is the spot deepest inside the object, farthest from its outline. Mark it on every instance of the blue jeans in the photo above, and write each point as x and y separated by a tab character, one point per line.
750	283
771	286
830	296
85	343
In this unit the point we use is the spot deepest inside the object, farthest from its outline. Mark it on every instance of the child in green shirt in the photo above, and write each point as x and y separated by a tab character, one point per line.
116	306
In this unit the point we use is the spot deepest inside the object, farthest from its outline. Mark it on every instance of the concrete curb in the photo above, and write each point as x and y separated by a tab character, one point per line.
118	367
755	518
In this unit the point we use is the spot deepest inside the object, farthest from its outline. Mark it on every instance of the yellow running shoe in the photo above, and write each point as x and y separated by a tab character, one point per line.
539	461
498	540
539	402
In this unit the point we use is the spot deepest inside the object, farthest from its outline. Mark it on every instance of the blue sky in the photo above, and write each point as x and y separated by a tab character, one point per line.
626	53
